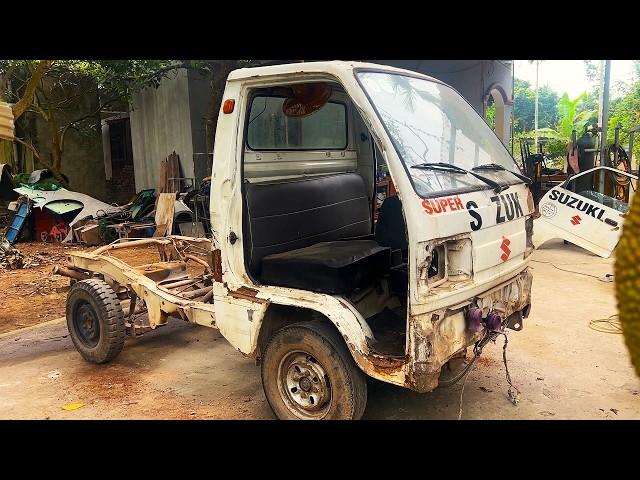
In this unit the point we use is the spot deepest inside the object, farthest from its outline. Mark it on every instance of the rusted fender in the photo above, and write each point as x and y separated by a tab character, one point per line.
352	326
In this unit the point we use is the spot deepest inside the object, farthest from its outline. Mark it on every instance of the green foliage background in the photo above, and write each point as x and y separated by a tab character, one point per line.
558	114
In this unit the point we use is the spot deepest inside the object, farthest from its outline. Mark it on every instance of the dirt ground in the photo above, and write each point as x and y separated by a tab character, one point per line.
563	368
34	290
40	293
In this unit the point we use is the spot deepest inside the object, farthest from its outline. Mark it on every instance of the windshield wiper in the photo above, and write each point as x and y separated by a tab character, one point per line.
496	166
448	167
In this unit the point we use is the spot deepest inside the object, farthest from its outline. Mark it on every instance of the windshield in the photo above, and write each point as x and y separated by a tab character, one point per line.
429	123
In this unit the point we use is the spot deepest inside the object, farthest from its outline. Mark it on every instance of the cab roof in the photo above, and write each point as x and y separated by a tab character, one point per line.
335	67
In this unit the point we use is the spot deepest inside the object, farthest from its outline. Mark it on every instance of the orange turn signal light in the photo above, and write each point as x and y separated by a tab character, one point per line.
228	105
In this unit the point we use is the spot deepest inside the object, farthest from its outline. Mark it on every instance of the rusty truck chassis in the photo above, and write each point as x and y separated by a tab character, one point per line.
160	289
165	289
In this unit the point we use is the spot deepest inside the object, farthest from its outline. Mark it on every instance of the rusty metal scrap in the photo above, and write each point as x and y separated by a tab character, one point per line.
10	257
67	272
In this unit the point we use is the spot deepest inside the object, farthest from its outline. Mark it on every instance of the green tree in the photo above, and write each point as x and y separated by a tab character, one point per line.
625	111
524	107
490	115
50	88
592	71
636	71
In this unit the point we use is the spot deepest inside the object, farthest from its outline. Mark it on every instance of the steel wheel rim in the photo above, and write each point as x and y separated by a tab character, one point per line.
86	324
304	385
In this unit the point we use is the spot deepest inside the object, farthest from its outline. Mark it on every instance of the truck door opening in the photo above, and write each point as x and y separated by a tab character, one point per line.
308	216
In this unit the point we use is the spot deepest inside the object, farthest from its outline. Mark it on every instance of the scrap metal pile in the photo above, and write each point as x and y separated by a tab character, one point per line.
11	258
40	208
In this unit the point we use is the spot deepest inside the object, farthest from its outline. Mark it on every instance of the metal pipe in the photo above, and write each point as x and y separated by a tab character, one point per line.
78	269
616	143
513	94
65	272
632	133
206	298
139	308
196	293
603	117
200	261
177	284
132	243
535	115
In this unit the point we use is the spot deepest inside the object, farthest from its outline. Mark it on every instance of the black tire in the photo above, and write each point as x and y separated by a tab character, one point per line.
312	349
95	320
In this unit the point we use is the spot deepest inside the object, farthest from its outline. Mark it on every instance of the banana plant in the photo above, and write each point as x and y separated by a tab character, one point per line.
569	118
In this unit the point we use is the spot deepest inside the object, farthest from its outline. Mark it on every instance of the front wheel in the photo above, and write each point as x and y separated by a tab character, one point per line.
308	373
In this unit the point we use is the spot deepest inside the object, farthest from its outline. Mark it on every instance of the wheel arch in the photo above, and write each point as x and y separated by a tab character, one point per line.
353	329
348	322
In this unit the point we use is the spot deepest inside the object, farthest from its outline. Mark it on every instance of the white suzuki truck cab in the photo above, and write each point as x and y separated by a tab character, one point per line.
299	275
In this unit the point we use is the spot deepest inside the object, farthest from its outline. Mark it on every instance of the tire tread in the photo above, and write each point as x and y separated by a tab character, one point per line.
337	347
111	322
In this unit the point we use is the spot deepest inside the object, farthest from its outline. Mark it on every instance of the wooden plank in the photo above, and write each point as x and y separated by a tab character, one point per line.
6	121
89	235
169	168
164	214
161	231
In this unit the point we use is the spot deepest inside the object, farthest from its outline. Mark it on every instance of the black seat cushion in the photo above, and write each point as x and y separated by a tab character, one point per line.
328	267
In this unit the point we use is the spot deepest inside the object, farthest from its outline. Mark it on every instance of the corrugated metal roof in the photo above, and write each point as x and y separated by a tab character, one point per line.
6	121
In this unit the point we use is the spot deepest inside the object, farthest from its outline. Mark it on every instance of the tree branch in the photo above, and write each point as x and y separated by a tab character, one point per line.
30	147
160	72
27	99
35	108
84	117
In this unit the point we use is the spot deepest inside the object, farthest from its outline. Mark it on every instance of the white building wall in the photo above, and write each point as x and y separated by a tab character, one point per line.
161	124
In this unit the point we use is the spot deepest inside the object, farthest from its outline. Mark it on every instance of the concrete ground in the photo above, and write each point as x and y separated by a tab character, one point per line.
563	368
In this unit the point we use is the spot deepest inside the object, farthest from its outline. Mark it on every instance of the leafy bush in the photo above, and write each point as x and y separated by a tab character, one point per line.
556	148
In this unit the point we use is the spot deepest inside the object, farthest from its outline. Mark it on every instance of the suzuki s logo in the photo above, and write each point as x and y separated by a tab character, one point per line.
575	220
504	246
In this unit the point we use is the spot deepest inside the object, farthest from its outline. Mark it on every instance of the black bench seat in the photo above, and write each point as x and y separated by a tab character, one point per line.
327	267
312	234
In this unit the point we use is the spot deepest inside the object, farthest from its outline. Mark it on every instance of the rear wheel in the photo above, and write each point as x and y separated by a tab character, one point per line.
95	320
308	373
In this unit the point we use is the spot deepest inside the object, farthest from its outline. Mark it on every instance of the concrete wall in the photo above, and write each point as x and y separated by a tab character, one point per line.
83	163
82	159
199	97
161	123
